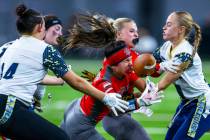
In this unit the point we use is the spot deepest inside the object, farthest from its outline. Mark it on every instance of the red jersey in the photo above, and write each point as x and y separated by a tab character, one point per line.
107	83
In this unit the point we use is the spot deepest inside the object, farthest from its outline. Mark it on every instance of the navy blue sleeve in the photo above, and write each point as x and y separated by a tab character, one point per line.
4	48
157	55
184	57
53	60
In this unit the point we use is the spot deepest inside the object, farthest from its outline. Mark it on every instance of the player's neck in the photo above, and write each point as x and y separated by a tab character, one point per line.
176	42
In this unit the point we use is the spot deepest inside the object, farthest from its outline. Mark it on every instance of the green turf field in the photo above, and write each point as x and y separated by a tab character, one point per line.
156	125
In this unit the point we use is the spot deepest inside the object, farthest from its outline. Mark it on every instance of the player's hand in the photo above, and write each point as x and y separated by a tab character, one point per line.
144	110
114	102
151	95
170	65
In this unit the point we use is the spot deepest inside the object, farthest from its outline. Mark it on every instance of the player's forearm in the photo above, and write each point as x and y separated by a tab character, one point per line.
167	79
140	84
82	85
52	80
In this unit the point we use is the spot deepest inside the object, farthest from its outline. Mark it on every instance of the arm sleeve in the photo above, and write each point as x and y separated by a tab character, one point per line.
185	60
54	61
157	55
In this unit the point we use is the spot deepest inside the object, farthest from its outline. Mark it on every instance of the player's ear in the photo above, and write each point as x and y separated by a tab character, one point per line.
118	34
39	27
182	29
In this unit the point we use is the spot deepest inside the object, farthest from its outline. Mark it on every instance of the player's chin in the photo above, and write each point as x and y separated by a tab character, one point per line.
129	70
165	37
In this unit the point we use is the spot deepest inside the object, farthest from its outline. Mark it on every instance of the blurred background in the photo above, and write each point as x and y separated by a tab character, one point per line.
150	15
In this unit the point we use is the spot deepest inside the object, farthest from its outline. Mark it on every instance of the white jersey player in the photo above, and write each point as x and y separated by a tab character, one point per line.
191	83
192	118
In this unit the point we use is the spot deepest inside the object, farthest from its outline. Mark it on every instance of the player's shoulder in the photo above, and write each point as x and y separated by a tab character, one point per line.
6	45
184	47
31	42
166	45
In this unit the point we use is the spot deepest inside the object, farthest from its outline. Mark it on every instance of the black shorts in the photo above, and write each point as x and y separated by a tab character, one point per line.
25	124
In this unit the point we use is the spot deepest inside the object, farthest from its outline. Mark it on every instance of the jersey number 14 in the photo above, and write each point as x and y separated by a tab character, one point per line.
10	72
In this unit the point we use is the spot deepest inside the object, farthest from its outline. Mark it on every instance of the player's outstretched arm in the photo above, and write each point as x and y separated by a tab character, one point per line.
111	100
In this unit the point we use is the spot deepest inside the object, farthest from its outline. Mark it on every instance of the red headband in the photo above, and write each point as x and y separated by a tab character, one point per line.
119	56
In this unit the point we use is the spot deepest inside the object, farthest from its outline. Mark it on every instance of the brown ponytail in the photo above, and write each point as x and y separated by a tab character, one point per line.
91	31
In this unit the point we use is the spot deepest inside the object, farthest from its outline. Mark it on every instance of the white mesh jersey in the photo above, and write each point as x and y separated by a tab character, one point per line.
40	88
23	69
191	83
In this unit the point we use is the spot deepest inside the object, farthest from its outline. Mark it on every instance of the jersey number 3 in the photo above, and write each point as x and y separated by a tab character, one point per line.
10	72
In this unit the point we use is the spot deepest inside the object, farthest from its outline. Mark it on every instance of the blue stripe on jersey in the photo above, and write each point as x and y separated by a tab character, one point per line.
2	51
54	61
179	90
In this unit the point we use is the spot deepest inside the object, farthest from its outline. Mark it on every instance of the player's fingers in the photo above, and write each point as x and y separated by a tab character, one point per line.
118	96
124	105
120	109
114	111
123	102
155	101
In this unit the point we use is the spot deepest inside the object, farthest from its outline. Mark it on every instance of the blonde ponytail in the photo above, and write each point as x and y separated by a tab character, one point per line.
197	37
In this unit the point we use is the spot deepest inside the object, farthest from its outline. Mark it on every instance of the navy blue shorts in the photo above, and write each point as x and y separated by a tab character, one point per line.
188	122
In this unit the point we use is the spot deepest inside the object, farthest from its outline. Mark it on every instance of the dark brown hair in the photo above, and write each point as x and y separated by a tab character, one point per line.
91	31
27	19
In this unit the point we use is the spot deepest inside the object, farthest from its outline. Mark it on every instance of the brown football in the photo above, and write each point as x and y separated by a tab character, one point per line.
144	65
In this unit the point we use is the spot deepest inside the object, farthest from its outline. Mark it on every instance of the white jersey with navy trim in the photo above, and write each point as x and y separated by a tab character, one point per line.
23	67
3	48
191	83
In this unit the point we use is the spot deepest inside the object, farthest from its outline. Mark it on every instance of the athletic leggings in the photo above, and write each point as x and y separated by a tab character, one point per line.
124	127
83	127
25	124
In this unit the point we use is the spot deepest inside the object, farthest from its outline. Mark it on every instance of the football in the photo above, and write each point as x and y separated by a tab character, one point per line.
144	65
